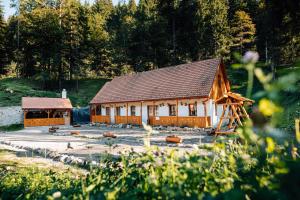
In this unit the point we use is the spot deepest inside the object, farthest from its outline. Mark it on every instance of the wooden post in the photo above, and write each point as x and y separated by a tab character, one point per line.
245	112
205	113
237	116
115	114
48	112
221	118
141	113
25	113
177	124
153	114
127	113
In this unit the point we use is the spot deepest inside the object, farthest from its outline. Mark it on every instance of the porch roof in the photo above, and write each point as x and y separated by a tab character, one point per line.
235	97
182	81
45	103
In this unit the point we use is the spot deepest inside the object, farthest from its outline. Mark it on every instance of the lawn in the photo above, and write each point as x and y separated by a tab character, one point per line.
13	127
13	89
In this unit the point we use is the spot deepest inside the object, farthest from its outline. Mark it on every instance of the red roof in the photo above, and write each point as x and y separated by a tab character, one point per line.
45	103
181	81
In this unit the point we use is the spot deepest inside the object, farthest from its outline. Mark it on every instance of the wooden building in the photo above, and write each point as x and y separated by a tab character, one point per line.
183	95
46	111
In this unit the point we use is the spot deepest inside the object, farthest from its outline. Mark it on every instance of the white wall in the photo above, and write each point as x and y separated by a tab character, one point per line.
112	114
200	109
145	111
103	111
183	110
11	115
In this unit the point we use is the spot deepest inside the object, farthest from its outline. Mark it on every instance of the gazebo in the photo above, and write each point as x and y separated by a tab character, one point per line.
46	111
233	111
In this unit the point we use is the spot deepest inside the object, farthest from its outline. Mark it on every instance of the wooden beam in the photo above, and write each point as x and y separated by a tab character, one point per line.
177	112
245	112
205	113
153	114
115	114
141	113
237	116
221	118
127	113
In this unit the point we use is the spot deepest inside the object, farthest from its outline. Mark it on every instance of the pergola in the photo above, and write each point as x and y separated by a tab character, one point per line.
233	110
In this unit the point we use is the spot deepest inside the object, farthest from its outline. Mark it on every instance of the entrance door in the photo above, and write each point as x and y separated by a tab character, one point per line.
151	114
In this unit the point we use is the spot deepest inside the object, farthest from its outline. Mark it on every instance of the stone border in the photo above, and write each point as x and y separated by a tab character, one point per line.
55	156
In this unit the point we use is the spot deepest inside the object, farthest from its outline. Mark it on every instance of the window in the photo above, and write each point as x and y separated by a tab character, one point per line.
172	110
193	109
98	110
118	110
107	111
153	111
132	110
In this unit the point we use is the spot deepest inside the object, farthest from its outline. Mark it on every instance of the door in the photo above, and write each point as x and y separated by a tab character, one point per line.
151	114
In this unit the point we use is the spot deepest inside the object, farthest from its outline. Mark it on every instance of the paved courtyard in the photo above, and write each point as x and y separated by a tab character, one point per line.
90	143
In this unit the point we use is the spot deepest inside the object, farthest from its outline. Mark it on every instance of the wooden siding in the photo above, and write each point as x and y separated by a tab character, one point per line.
200	122
101	119
121	119
135	120
44	122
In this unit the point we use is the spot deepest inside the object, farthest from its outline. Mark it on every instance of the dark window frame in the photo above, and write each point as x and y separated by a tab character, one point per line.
118	111
172	110
107	109
194	111
132	110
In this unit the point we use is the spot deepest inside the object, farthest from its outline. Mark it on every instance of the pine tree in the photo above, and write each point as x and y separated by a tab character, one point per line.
100	56
212	29
243	32
3	49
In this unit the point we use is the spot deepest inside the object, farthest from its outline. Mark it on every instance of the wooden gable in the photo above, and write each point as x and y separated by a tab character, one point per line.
221	84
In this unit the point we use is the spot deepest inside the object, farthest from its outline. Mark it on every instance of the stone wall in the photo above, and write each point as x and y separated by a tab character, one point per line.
11	115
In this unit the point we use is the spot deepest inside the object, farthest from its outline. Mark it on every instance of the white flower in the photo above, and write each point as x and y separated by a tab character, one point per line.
56	195
250	57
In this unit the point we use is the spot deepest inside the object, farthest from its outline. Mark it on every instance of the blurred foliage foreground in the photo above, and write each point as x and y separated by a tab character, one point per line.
259	163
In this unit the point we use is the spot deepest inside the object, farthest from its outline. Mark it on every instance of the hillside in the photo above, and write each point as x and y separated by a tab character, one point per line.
12	90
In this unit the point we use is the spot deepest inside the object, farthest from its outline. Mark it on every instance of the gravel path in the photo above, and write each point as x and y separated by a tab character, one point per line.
91	143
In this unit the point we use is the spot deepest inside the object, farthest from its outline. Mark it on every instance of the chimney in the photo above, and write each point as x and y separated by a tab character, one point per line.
64	94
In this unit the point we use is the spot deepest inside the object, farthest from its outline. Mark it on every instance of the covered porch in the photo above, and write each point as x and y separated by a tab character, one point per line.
180	112
46	117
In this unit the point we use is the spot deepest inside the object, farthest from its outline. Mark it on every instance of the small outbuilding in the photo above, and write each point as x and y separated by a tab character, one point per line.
40	111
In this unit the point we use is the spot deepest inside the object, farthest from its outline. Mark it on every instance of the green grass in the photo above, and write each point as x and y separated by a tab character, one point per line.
13	127
13	89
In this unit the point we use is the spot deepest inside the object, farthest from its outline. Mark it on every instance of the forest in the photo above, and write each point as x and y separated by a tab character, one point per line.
68	39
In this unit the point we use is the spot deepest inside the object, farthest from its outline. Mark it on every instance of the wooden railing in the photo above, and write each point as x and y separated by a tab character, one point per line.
136	120
121	119
200	122
101	119
44	122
